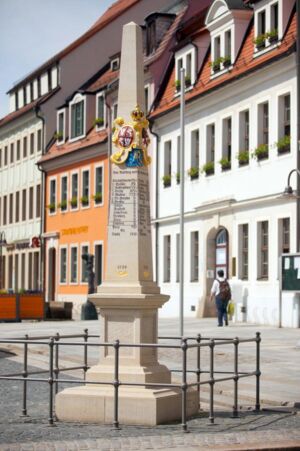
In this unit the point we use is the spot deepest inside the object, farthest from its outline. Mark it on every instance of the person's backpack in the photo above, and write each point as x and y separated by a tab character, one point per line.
225	292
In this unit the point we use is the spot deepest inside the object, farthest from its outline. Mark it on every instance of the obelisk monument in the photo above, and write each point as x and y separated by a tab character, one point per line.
129	298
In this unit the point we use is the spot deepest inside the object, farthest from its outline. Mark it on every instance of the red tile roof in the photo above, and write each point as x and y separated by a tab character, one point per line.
115	10
93	137
244	64
103	80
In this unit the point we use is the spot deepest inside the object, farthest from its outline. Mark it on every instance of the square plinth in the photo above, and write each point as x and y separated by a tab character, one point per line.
139	406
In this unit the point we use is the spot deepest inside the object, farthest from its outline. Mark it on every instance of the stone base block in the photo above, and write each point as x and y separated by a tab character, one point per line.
139	406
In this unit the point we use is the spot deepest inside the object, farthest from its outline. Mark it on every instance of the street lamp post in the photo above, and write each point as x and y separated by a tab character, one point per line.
2	243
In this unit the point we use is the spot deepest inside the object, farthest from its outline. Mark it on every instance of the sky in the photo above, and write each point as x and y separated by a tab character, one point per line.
32	31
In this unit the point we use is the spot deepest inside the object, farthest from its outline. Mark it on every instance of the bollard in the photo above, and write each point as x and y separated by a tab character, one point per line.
258	372
184	347
56	370
25	374
211	382
235	379
116	386
50	381
85	353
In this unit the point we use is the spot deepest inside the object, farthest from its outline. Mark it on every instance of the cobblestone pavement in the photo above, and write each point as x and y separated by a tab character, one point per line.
266	430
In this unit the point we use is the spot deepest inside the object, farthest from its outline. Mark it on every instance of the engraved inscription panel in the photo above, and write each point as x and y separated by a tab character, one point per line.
121	327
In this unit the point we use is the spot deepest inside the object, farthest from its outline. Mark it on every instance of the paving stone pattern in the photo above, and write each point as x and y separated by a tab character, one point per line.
34	433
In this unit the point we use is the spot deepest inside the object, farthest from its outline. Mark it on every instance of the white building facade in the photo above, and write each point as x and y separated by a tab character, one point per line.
240	145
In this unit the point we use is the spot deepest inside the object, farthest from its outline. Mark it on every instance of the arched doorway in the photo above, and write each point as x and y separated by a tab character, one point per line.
52	274
222	251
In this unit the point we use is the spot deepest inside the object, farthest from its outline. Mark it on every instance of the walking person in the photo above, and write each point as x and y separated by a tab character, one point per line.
222	293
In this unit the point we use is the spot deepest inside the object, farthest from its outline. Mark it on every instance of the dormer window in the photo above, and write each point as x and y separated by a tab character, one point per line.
60	129
227	23
100	111
77	117
270	20
185	58
115	64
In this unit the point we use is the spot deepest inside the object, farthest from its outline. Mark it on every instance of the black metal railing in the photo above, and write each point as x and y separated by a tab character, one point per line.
187	343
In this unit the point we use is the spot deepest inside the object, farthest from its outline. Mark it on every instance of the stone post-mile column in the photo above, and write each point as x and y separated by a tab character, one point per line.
129	298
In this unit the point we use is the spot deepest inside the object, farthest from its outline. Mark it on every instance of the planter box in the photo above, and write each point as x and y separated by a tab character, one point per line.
194	177
260	46
262	156
273	39
209	172
15	307
226	168
285	149
243	163
227	63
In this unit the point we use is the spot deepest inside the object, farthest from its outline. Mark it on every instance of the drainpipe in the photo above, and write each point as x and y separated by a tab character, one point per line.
42	252
156	199
298	127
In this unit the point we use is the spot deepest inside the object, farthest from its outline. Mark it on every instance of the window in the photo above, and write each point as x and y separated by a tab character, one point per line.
18	156
287	115
36	271
115	64
74	198
39	140
100	115
17	207
4	222
11	208
74	264
194	172
84	271
64	193
244	251
263	131
185	59
194	256
227	144
63	265
38	201
31	91
228	45
265	123
25	147
61	127
98	185
210	150
167	164
167	258
52	205
85	192
274	17
5	156
217	48
24	206
261	22
31	203
31	143
49	79
263	250
284	124
244	131
17	100
12	153
77	119
39	86
24	95
284	236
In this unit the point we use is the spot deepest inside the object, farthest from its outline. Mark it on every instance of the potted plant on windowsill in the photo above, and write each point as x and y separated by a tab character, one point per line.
225	164
209	168
84	201
166	180
177	85
273	36
51	207
216	64
261	152
188	81
58	136
284	144
98	122
74	202
227	61
63	205
177	178
97	197
243	157
260	41
193	172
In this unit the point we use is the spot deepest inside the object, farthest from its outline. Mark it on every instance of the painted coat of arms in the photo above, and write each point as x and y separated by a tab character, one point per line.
131	140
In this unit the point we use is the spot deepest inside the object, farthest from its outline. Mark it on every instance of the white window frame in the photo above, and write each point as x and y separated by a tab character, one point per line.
59	112
65	246
117	59
71	190
101	127
73	246
267	7
182	54
78	98
100	165
86	169
85	244
49	195
66	175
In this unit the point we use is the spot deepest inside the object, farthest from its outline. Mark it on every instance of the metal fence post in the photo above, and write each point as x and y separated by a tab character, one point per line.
235	378
50	381
85	353
198	364
56	370
211	382
258	372
116	385
25	374
184	347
